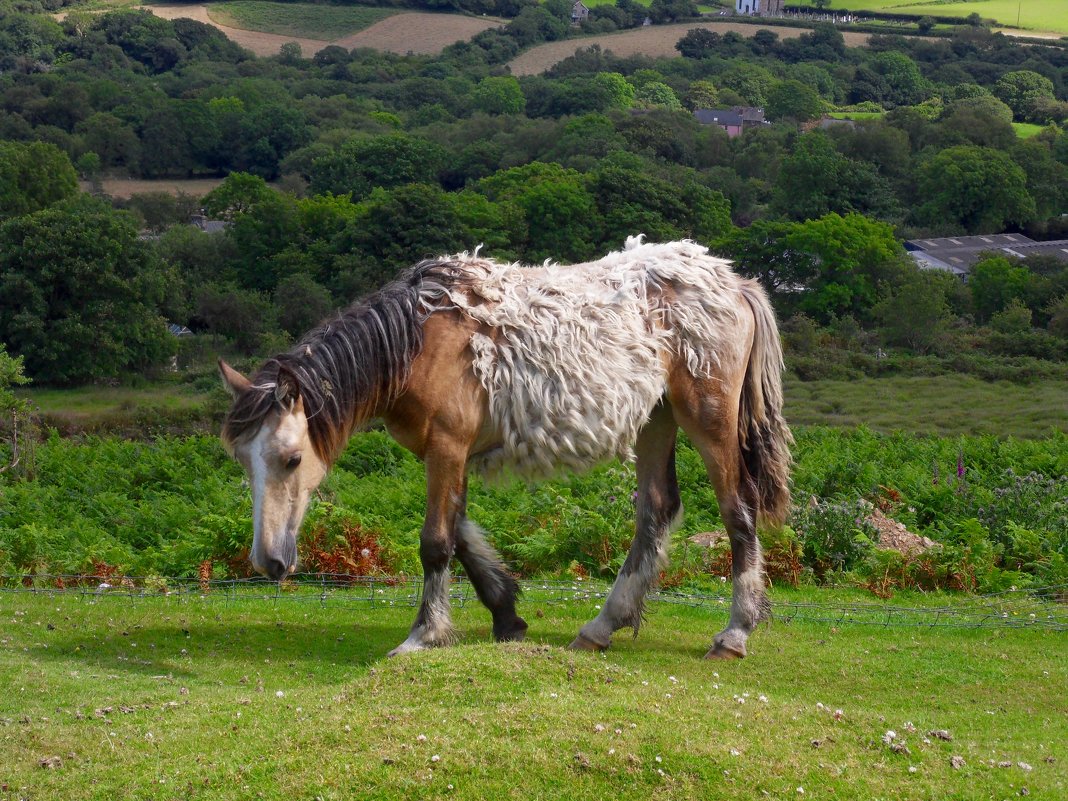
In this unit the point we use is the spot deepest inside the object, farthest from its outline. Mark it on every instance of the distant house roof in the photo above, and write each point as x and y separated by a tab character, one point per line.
958	253
749	114
179	330
208	226
717	116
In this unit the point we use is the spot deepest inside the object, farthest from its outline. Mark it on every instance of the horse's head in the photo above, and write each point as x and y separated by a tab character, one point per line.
267	432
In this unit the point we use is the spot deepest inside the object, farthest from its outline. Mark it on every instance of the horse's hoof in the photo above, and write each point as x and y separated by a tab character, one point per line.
406	647
513	632
581	643
721	651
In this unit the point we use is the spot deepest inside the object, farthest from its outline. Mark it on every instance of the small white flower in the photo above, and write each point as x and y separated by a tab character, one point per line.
890	736
435	758
819	706
741	700
598	728
148	735
619	731
913	768
348	727
449	786
800	790
421	738
1023	766
838	713
659	758
715	675
909	727
673	679
645	684
735	752
667	695
279	694
745	695
660	771
552	695
611	751
763	699
298	710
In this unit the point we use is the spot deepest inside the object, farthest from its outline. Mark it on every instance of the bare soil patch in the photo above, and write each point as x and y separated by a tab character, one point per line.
656	41
127	187
418	32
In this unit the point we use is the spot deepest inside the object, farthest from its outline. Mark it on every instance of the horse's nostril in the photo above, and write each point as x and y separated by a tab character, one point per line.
276	569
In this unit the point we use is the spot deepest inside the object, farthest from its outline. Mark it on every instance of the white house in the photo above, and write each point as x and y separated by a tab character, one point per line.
759	8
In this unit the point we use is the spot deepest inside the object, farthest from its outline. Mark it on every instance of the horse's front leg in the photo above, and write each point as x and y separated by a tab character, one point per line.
444	500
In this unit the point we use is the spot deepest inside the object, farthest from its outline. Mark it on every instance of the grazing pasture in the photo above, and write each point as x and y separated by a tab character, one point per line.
151	698
1038	15
309	20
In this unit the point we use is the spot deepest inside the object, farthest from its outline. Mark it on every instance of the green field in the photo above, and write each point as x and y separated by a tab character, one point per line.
311	20
946	405
1025	130
1036	15
152	698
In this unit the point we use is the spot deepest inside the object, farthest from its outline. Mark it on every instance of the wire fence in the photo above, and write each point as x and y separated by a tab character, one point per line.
1043	608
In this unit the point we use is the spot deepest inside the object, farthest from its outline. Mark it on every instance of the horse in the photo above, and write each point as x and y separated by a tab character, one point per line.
505	369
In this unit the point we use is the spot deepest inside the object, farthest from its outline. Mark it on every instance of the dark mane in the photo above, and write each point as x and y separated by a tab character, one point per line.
350	365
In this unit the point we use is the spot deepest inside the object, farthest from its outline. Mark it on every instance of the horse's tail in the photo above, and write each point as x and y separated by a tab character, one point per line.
765	437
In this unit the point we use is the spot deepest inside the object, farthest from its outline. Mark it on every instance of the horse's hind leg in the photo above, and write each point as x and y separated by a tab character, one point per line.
708	415
492	582
657	512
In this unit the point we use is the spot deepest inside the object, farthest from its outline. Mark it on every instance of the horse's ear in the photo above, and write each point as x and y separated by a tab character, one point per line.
234	382
287	388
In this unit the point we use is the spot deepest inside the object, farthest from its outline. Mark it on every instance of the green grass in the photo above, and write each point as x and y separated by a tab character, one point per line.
314	21
947	405
856	115
1025	130
1038	15
253	700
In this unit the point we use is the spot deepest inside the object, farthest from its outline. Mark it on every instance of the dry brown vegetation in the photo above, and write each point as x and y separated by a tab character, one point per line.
125	188
656	40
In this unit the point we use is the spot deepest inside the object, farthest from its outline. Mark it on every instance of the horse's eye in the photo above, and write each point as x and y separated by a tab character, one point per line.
293	461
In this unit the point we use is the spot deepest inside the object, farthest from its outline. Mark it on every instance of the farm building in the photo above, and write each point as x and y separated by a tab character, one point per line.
733	120
729	121
957	254
579	12
759	8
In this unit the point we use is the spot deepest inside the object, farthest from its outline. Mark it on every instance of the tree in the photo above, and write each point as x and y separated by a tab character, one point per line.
793	100
499	95
1021	89
390	160
906	85
80	293
701	94
617	90
915	315
698	43
238	194
751	81
33	176
978	189
816	179
855	260
657	95
301	303
995	282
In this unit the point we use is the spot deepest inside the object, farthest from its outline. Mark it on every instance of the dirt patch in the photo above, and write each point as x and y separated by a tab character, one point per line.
417	32
656	40
125	188
894	536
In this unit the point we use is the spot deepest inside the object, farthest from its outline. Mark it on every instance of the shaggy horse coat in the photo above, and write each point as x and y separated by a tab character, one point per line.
507	369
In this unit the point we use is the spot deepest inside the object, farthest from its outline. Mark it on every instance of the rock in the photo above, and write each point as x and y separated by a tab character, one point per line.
893	536
50	763
941	734
709	539
956	762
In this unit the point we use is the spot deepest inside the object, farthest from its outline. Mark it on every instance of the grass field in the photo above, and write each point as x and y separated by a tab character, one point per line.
1038	15
944	405
1025	130
947	405
314	21
152	699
